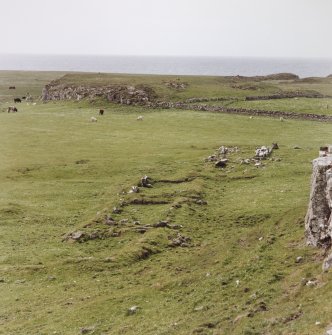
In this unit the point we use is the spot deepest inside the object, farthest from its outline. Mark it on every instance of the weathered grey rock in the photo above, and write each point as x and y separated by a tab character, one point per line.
132	310
221	163
146	181
318	226
122	94
263	152
327	264
299	259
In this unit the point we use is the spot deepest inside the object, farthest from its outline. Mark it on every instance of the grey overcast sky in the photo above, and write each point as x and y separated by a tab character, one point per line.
266	28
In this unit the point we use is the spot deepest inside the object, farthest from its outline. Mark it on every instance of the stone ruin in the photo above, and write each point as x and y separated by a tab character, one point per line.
122	94
318	221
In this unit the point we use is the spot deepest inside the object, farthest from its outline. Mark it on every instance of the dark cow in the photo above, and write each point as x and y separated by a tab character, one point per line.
12	87
23	98
101	112
12	109
17	100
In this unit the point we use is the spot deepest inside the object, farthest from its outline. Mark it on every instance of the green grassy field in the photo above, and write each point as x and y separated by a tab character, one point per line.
238	274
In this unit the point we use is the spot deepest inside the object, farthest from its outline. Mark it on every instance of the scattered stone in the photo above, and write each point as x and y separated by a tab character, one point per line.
176	84
199	308
201	202
212	158
77	235
222	163
134	189
299	259
296	147
132	310
245	161
109	221
87	330
117	210
179	241
263	152
311	283
146	182
175	226
116	233
223	150
161	224
327	263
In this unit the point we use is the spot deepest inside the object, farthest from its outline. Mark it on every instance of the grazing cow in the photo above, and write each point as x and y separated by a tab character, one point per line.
12	87
17	100
101	112
12	109
93	119
140	118
23	98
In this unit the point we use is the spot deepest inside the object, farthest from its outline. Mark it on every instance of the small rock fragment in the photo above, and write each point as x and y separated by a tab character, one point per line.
132	310
299	259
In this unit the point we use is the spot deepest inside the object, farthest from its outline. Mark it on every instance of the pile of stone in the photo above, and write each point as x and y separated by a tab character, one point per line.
263	152
219	158
176	84
128	95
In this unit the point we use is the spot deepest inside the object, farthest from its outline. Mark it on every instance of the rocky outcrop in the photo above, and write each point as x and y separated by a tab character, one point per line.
318	221
128	95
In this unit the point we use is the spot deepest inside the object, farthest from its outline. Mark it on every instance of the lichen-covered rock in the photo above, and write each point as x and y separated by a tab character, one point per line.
122	94
318	225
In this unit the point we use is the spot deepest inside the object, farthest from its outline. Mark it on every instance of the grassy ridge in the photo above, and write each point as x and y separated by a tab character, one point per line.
251	229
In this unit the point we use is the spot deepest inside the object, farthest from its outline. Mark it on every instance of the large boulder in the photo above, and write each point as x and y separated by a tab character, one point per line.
318	222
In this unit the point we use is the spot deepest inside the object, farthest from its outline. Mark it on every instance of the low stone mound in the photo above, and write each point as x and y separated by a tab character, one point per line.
122	94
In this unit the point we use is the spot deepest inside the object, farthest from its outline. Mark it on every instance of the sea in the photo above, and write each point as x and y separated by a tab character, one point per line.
170	65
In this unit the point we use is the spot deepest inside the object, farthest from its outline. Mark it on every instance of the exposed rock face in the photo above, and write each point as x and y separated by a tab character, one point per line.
128	95
318	221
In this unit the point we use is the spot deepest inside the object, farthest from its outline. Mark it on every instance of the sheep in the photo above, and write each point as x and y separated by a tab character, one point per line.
281	119
93	119
140	118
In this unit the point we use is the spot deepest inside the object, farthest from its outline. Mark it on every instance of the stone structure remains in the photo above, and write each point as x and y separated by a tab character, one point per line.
318	221
122	94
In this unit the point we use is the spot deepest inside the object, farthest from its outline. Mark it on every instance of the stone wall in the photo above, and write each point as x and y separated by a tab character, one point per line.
128	95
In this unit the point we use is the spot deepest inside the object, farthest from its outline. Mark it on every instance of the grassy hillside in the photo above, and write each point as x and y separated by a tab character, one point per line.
242	226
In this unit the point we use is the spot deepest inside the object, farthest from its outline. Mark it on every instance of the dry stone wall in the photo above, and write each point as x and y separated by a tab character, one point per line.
128	95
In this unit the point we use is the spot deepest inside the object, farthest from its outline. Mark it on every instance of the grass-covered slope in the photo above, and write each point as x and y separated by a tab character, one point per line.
236	273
